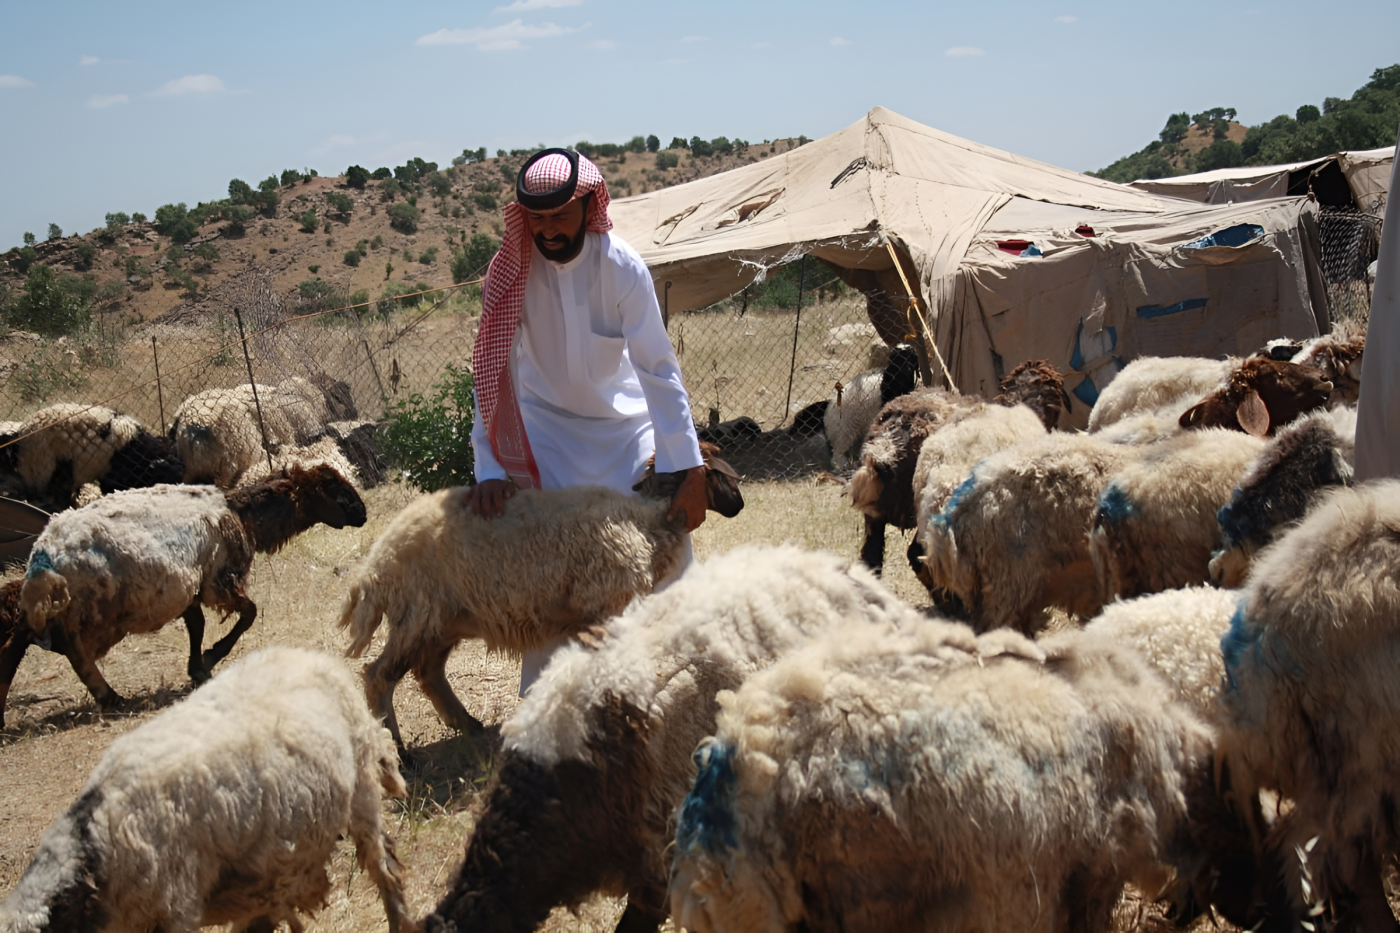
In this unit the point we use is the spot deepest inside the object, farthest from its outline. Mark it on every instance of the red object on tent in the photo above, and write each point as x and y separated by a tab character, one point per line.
1015	247
1084	230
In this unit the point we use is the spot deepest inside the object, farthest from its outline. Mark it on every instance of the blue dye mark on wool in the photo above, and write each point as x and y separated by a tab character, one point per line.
1230	528
1234	643
707	815
945	518
39	561
1114	506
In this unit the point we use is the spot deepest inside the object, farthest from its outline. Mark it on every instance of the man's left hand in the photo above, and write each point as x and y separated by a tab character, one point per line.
690	497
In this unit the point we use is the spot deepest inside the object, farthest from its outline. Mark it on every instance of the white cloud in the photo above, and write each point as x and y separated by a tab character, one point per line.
964	51
1066	19
523	5
190	84
839	41
98	101
15	81
689	39
88	59
496	38
603	45
344	141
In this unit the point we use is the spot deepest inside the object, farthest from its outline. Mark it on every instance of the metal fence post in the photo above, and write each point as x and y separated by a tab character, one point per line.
160	395
796	324
248	361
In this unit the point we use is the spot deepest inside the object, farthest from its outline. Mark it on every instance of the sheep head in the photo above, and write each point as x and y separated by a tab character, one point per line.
1339	357
287	503
722	493
1259	396
1040	387
45	591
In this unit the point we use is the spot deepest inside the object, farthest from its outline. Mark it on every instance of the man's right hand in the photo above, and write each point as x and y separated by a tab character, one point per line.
488	498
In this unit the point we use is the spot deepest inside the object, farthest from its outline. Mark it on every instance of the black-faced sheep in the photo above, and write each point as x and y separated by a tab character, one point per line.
557	562
1155	526
1012	539
219	433
62	448
849	415
225	808
598	756
1153	383
133	561
1260	396
1311	707
1310	456
928	779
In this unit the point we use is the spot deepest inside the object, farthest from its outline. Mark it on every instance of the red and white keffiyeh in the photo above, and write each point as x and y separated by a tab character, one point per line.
503	297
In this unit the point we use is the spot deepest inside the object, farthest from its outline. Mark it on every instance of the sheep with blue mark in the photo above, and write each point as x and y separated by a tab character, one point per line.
598	756
926	778
1311	709
1154	527
224	809
133	561
1315	453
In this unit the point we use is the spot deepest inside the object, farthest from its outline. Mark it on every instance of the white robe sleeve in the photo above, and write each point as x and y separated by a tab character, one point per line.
658	370
484	463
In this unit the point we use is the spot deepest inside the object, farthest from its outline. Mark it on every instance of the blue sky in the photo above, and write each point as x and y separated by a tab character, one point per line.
126	106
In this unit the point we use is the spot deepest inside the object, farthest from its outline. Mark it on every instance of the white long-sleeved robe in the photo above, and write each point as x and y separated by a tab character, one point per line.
598	383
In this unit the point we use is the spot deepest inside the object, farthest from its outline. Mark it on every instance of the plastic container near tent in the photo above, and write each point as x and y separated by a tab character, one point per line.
1106	273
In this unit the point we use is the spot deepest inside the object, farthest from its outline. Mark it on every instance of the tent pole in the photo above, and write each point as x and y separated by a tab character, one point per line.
797	323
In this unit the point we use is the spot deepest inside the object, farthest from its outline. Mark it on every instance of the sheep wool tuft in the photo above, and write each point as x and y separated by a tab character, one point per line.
1151	383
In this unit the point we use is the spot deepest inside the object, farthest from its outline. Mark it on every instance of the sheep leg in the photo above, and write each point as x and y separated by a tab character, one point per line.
431	673
246	614
381	677
872	550
10	657
86	669
194	627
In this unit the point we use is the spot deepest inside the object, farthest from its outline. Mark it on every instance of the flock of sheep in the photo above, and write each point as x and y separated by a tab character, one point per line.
774	740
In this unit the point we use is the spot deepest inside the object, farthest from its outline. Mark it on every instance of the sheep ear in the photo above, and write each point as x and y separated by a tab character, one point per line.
1252	415
1192	415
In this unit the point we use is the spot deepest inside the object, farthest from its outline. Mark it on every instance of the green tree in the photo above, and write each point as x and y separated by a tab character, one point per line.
55	232
1222	153
700	147
1176	128
439	184
484	200
290	176
403	217
29	239
308	220
351	257
51	305
722	145
667	160
341	205
24	257
1308	113
678	143
268	184
471	261
137	217
117	220
380	173
357	176
239	191
653	144
174	221
429	437
86	254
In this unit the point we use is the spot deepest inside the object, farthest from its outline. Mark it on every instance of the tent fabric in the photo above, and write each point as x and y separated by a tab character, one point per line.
1367	173
1378	410
1085	304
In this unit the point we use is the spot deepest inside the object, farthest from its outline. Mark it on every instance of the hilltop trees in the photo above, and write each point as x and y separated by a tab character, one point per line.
174	221
357	176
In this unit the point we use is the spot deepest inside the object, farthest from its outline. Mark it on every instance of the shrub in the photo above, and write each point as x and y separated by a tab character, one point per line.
24	257
470	156
86	254
392	298
315	295
359	302
678	143
380	173
237	216
55	232
428	256
51	305
485	201
471	261
351	257
314	268
308	220
390	189
377	242
429	437
653	144
174	221
403	217
667	160
117	220
362	247
29	239
357	176
206	251
137	217
341	205
439	184
290	176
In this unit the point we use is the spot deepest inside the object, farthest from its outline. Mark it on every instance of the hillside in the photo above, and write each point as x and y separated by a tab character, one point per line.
177	266
1211	140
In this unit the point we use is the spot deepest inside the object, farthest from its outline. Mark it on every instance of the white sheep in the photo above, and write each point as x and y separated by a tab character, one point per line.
849	415
225	808
1150	383
219	432
598	755
557	562
1311	707
923	779
324	452
1154	527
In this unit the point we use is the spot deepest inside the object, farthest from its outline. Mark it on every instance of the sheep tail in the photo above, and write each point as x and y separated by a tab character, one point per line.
45	591
361	615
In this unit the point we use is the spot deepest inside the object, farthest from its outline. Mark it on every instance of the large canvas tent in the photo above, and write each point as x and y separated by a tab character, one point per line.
1010	258
1359	178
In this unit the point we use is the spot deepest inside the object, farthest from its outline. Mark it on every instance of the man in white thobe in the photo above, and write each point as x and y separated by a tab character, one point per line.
576	379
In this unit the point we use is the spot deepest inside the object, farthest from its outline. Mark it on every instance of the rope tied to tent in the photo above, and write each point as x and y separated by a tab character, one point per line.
913	311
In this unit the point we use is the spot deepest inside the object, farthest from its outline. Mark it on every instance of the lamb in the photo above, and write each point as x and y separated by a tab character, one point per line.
1011	540
598	756
223	809
1154	527
1151	383
62	448
132	561
1259	396
849	416
945	460
1310	706
925	778
557	562
219	434
1313	454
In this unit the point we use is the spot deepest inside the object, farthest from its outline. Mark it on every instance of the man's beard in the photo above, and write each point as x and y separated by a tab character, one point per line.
563	254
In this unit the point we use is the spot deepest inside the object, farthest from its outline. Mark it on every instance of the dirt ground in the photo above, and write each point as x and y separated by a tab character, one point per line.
55	735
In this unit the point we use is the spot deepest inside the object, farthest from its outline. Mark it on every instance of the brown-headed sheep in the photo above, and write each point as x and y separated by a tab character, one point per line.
224	809
1260	396
1339	356
598	756
133	561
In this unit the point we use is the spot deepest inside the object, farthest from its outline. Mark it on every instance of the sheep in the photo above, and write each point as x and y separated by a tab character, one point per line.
225	808
849	416
946	458
1038	385
1150	383
925	778
1338	355
1154	527
1310	707
359	442
326	451
1315	453
1259	396
597	757
557	562
15	639
726	433
219	432
1011	540
60	449
133	561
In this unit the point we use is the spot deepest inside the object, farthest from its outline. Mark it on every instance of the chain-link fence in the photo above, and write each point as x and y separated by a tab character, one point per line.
1351	241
